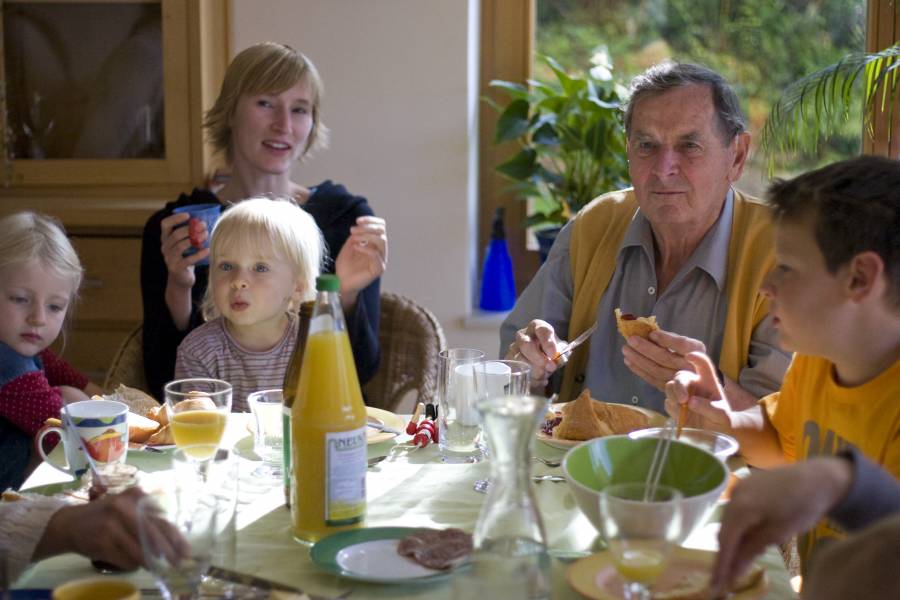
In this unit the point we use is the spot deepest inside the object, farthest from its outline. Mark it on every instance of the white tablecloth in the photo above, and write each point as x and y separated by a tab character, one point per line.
408	489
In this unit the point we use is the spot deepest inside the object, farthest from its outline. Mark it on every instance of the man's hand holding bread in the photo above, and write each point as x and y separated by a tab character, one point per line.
652	354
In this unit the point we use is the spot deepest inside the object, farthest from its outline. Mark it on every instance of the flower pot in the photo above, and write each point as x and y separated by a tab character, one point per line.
545	238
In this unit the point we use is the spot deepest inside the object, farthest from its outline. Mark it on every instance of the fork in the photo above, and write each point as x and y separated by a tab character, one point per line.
483	485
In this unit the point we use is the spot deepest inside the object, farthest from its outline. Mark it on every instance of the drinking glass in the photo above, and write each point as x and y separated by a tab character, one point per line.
268	434
459	425
640	533
494	378
217	479
198	410
500	378
177	532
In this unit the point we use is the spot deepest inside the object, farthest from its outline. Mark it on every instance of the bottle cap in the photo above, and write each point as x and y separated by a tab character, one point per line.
497	230
328	283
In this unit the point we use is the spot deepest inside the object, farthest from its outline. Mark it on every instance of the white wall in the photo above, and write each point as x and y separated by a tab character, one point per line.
400	99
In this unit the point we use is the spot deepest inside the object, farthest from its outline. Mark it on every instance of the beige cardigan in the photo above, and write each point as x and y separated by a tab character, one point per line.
597	234
22	524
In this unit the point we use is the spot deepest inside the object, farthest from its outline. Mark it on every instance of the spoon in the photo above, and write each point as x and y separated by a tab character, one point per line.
548	462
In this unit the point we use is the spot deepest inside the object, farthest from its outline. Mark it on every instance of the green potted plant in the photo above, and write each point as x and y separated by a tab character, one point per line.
806	112
571	141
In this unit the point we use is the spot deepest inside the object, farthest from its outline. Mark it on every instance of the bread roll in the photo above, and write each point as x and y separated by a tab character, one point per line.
579	421
137	401
195	403
163	437
585	418
160	415
140	428
629	325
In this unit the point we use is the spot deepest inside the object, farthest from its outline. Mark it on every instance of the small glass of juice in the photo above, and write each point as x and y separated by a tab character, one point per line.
198	411
640	527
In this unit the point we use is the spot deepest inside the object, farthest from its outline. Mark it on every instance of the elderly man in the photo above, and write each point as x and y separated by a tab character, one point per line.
682	245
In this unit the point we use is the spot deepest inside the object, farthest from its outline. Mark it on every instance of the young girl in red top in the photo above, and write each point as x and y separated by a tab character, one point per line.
39	278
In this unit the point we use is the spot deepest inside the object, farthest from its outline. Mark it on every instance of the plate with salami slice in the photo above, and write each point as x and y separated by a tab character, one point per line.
374	554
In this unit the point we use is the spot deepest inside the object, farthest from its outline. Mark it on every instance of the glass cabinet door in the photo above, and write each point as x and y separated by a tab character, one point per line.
95	92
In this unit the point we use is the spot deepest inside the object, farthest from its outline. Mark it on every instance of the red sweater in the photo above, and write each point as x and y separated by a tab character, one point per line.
30	395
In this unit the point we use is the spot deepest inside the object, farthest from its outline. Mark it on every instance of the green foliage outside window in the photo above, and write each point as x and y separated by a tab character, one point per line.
760	46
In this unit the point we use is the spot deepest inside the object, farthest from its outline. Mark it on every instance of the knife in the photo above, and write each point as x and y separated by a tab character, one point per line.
383	427
260	583
564	355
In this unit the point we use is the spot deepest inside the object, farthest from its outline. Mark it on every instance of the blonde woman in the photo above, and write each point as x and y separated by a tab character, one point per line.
267	117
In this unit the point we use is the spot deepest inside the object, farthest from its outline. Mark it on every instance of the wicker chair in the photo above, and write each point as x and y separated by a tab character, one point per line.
410	337
128	365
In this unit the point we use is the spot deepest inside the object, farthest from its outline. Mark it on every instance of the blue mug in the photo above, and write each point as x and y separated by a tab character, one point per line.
208	214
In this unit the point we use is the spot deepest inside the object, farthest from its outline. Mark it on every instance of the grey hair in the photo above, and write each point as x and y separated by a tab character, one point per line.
669	75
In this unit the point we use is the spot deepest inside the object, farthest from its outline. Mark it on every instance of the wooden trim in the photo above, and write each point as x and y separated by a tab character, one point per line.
176	82
209	44
5	163
882	31
507	40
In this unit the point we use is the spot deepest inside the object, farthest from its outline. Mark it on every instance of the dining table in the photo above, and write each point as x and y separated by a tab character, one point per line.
411	487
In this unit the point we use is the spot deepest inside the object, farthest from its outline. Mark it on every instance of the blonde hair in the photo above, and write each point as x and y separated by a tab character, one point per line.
29	236
291	231
264	68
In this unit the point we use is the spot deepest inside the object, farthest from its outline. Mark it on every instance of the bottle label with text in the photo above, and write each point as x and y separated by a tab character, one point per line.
345	465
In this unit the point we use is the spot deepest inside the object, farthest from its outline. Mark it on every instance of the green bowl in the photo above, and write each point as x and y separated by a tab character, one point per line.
696	473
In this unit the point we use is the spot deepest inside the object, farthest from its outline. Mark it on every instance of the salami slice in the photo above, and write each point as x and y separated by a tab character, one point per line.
436	548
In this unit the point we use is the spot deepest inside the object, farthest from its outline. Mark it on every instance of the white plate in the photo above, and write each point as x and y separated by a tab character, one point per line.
373	436
386	418
379	558
370	554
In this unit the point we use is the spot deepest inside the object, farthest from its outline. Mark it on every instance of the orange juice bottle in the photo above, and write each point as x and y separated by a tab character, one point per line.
328	427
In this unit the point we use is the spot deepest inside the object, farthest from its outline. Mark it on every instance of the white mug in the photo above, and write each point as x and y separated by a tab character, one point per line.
101	426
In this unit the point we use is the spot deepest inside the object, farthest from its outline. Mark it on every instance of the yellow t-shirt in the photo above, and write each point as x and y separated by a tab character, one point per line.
815	416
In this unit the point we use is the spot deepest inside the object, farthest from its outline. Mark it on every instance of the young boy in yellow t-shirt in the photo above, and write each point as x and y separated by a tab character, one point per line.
835	299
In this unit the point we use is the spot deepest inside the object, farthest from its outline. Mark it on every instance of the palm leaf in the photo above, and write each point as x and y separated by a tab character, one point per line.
808	109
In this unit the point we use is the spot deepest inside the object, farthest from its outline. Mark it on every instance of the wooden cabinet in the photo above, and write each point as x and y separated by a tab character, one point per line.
109	304
104	102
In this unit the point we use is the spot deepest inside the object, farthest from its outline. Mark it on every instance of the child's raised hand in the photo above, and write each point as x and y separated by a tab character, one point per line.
175	240
363	257
701	391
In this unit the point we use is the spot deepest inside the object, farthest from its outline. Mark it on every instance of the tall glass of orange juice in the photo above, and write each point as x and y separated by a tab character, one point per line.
198	411
328	427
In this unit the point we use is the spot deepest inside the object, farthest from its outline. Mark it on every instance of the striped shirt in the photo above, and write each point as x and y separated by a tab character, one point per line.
210	351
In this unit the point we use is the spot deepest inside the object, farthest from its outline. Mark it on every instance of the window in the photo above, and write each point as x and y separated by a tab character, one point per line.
760	46
810	35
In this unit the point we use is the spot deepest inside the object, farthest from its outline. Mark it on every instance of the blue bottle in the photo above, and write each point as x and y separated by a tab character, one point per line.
498	289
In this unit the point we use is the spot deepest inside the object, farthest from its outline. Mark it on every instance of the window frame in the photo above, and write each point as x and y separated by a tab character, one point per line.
507	46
